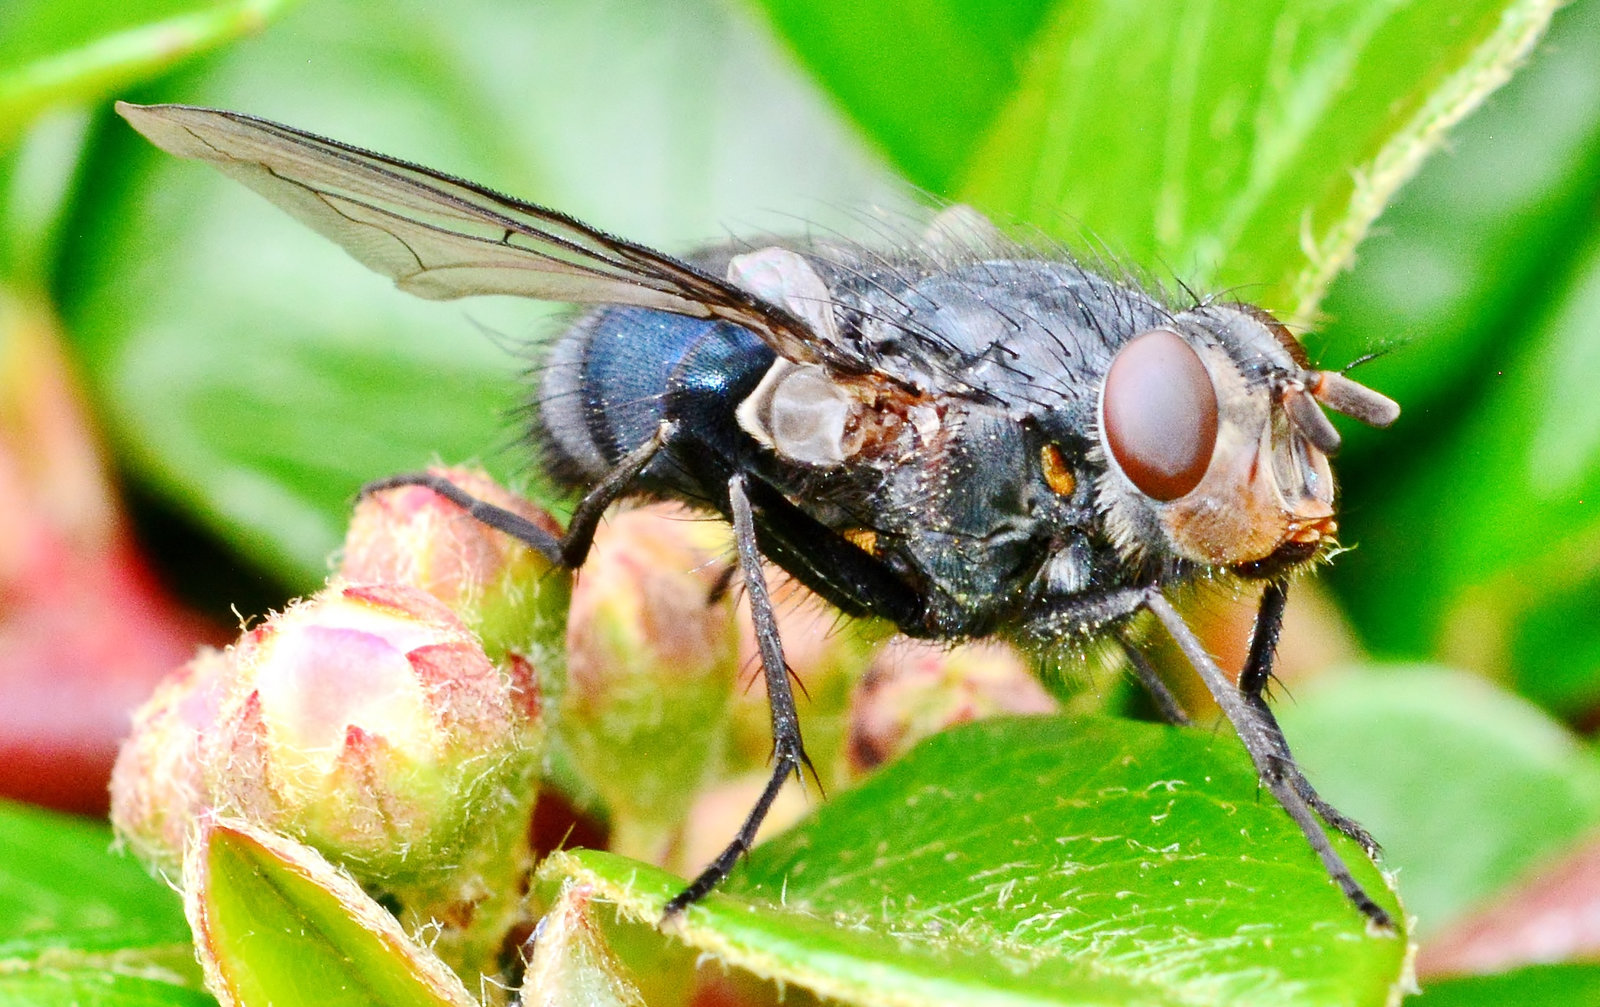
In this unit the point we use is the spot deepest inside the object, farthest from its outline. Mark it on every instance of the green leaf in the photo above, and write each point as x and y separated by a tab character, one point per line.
82	925
96	981
258	377
1044	861
1233	142
1476	524
61	886
95	57
278	925
1468	247
1239	142
1571	985
146	978
1466	786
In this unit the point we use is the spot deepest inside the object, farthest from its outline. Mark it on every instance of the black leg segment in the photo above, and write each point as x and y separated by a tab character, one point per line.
571	549
1253	681
1165	702
498	518
788	752
1262	738
1257	671
580	530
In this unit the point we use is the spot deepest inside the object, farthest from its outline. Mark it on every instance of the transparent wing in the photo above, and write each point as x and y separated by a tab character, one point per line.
441	237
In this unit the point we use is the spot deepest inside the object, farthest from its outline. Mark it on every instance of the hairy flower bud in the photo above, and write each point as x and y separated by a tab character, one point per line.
506	592
368	722
915	689
158	789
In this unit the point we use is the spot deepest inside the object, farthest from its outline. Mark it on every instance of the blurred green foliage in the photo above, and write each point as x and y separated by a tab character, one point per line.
1481	508
1531	984
82	927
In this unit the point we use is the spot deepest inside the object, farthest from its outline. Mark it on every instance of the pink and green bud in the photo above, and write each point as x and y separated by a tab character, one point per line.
507	593
158	786
916	689
369	723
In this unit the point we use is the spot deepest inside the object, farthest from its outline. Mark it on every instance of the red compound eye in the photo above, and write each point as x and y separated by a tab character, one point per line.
1160	414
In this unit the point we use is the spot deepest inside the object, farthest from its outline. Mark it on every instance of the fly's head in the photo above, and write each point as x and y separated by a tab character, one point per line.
1216	444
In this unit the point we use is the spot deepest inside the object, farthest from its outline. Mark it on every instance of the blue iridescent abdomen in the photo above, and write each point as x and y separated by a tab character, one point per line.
618	372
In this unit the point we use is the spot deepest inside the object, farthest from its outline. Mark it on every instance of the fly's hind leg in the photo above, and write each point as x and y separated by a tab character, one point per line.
788	751
569	550
1262	738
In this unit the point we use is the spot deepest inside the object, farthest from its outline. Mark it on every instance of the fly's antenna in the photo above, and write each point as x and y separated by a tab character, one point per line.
1366	358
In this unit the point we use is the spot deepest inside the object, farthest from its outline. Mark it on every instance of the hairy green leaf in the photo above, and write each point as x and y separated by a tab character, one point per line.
279	926
1240	142
1232	142
1042	861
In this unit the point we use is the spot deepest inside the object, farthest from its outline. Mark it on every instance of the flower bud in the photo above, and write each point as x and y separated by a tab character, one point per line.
369	723
374	722
503	590
158	789
652	657
915	689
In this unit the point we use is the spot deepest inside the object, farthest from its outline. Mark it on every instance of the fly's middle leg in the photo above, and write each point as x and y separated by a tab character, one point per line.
570	550
1165	702
788	751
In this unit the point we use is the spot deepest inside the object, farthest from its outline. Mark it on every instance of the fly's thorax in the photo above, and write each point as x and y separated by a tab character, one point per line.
1214	449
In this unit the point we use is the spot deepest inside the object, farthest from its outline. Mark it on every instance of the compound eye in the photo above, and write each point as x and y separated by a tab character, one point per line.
1159	412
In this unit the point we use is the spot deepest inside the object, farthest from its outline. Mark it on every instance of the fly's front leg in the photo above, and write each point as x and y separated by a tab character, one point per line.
788	752
571	549
1084	615
586	518
1259	731
1257	672
1253	681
